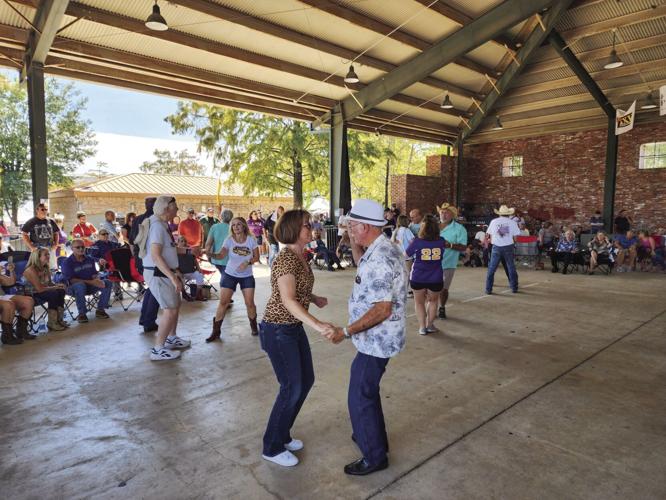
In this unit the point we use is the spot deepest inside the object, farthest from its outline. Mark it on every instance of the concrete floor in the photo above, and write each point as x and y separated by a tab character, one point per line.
556	392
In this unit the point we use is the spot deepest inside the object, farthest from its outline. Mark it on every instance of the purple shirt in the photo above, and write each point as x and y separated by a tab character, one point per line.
256	226
83	270
428	255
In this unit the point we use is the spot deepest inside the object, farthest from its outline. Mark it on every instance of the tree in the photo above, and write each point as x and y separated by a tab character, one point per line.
99	172
265	154
69	139
176	163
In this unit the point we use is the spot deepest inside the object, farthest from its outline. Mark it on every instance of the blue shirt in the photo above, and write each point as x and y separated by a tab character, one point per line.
456	234
219	233
83	270
565	245
626	242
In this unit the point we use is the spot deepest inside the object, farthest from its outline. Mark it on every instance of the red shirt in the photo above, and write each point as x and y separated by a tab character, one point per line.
192	231
84	231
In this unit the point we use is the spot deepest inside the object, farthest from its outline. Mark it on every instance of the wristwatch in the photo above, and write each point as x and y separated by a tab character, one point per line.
346	333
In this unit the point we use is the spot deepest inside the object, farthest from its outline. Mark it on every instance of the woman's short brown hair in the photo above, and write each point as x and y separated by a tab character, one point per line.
289	226
429	228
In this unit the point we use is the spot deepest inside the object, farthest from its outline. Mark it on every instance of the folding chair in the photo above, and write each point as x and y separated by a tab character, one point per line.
122	270
208	270
527	250
20	260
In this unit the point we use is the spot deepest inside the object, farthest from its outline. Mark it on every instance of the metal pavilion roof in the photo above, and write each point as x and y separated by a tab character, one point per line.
289	57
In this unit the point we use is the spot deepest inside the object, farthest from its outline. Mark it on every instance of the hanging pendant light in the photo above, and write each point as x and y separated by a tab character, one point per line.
614	61
649	102
446	104
351	76
155	21
498	123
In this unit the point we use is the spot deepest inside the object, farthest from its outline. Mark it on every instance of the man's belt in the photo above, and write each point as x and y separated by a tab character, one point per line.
157	273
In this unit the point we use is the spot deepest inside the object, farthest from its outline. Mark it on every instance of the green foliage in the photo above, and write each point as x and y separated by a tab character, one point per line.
69	139
176	163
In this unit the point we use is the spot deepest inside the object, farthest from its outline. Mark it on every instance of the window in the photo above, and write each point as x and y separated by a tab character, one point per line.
652	155
512	166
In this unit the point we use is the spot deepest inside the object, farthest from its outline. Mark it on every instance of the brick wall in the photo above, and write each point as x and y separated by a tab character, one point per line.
563	177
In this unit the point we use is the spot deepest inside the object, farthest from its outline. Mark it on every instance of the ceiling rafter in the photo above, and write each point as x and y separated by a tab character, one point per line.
616	22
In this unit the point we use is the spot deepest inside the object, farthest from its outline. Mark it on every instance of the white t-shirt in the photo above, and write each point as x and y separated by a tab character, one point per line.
159	233
404	236
239	253
480	235
502	230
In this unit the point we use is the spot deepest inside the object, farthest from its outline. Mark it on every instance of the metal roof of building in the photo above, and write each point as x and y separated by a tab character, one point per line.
289	57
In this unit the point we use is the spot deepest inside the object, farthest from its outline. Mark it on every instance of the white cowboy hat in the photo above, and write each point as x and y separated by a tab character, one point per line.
367	212
504	210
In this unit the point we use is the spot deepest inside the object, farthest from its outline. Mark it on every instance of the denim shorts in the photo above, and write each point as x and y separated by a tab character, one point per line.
231	282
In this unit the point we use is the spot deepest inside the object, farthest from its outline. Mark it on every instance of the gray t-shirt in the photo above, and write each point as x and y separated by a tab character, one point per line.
160	234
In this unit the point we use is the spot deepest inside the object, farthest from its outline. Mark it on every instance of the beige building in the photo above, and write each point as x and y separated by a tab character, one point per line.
126	193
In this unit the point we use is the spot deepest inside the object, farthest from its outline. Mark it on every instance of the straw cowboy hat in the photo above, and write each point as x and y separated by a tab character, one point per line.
450	208
504	210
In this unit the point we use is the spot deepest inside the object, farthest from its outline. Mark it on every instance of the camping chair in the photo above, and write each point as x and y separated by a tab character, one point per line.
208	270
527	250
20	259
122	270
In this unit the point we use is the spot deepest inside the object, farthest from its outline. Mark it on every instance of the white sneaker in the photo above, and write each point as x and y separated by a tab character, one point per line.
285	459
163	354
176	343
294	445
423	331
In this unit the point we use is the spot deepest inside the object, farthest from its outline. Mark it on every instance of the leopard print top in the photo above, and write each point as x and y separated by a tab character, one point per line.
287	262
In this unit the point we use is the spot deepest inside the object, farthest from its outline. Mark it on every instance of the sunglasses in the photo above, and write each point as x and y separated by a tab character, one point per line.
79	247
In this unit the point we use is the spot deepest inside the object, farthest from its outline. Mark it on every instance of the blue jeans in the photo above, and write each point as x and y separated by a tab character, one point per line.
498	253
80	290
365	407
231	282
288	349
273	250
149	310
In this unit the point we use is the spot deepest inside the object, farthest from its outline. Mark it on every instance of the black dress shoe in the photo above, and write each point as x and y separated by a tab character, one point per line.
362	468
150	329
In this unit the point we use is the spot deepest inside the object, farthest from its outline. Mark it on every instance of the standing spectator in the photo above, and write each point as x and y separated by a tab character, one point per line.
216	237
427	275
503	232
110	225
389	216
403	236
626	245
415	218
596	223
192	230
161	272
283	338
622	222
40	231
102	246
80	272
61	249
269	226
126	228
83	229
243	252
523	229
149	306
455	236
39	285
317	225
256	226
377	329
566	252
208	221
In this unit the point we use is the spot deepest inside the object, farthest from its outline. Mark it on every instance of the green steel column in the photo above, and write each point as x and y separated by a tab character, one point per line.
610	175
37	118
339	166
459	171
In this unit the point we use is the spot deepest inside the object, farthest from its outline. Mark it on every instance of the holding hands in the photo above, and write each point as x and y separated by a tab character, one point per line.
333	333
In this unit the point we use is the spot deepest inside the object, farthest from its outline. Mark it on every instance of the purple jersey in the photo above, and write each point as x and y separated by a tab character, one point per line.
428	255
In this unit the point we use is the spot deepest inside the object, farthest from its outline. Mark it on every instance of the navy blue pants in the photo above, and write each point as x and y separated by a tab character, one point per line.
365	407
288	349
149	309
496	256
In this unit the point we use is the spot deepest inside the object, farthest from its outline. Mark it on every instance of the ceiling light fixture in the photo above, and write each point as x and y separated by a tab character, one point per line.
614	61
155	21
649	102
498	123
351	76
446	103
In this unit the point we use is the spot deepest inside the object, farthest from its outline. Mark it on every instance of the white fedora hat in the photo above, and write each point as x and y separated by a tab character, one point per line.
367	212
504	210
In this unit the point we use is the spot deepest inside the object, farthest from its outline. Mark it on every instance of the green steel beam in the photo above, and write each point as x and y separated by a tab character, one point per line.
610	175
339	166
47	21
532	43
37	120
476	33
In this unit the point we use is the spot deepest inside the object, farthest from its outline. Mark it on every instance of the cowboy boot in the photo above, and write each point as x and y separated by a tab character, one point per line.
7	336
22	330
253	325
217	330
52	324
61	317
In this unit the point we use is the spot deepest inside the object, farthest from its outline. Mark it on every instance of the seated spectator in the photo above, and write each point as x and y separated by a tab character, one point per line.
316	223
566	252
596	223
9	306
173	226
626	245
196	276
523	229
547	236
646	250
472	255
600	247
80	272
39	285
99	250
344	248
321	251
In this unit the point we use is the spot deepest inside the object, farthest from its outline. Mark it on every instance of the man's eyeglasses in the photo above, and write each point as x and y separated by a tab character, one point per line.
78	247
43	209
